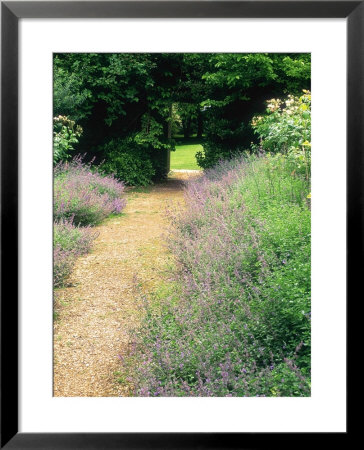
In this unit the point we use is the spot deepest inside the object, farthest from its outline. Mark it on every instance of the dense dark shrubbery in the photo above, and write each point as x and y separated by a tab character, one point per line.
239	86
240	322
128	162
82	198
147	97
222	140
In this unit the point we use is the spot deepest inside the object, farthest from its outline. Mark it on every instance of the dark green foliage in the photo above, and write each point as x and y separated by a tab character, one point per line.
128	162
70	97
148	96
119	96
239	86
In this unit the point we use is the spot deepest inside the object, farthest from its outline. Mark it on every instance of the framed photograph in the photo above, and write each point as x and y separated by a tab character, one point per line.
119	118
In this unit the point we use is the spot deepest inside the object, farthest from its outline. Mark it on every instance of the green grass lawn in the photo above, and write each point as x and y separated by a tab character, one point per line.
184	157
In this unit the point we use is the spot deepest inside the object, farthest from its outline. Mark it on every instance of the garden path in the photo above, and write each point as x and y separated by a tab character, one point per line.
94	314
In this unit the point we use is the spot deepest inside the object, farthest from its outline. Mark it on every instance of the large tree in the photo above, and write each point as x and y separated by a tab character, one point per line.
126	101
239	86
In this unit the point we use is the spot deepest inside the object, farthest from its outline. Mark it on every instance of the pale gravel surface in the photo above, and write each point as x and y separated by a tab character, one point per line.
93	316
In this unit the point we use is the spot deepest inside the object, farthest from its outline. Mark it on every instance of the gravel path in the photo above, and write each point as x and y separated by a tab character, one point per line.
92	317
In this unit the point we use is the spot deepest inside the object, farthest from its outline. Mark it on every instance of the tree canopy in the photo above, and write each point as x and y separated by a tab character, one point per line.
137	101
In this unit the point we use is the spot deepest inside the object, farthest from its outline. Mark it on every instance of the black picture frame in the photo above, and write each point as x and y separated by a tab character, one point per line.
11	12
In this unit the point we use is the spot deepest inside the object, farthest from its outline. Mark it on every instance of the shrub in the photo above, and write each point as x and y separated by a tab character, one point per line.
238	323
220	139
65	134
69	242
212	154
286	129
139	158
128	162
85	195
287	124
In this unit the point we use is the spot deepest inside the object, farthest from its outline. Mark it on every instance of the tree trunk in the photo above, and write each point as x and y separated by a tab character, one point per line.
199	125
169	135
186	124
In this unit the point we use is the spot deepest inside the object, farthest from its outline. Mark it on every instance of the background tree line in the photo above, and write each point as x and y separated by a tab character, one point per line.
130	107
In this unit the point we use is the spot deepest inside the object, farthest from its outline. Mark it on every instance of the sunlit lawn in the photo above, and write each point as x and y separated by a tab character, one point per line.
184	157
